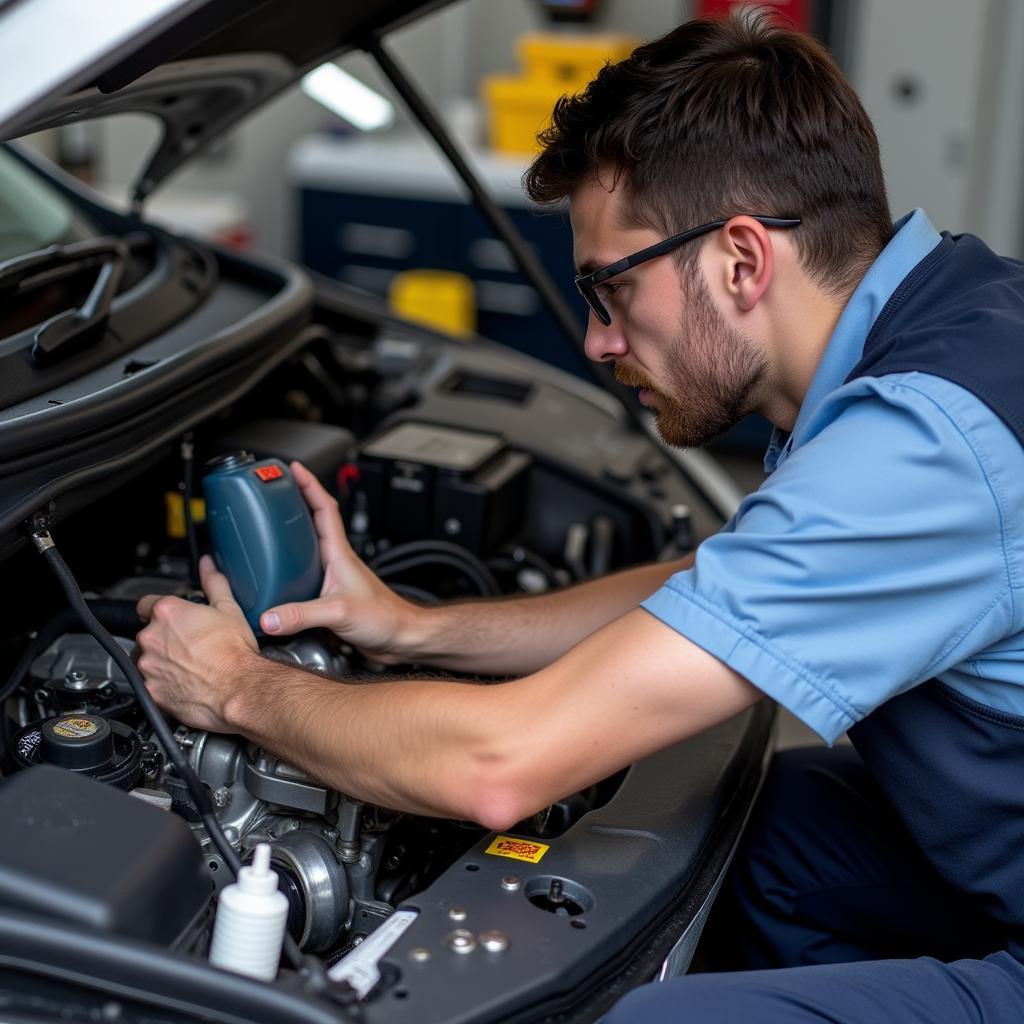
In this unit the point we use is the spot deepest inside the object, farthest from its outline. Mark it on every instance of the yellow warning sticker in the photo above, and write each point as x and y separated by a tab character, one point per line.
517	849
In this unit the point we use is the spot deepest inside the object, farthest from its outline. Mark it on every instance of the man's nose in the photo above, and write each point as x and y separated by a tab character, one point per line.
604	343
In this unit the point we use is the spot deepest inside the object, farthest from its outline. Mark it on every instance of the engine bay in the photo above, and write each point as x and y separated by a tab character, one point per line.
440	508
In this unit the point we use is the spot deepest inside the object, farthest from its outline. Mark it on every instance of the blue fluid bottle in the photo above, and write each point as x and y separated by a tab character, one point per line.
262	533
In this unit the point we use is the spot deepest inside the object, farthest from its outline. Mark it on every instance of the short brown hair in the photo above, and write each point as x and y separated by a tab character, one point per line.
728	116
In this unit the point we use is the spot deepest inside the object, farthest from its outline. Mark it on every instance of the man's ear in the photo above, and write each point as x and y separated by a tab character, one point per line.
744	253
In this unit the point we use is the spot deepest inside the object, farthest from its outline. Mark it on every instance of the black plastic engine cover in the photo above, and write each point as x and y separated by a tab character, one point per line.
75	849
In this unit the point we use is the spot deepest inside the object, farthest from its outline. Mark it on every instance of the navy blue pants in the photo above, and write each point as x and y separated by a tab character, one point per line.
830	913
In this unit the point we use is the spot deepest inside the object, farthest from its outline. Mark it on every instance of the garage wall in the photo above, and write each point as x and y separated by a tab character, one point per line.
942	80
446	54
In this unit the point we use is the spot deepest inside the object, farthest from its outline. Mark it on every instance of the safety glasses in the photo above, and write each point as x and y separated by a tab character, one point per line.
587	283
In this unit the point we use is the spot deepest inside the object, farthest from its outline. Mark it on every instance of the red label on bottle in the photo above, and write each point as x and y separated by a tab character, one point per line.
268	473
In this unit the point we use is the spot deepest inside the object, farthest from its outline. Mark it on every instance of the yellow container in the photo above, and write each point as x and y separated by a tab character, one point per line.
440	299
174	506
519	106
571	59
517	109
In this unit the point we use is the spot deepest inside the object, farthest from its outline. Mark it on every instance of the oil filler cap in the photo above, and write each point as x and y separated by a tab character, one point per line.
103	748
78	742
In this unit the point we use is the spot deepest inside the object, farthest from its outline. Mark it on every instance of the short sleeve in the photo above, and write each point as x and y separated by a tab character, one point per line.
870	561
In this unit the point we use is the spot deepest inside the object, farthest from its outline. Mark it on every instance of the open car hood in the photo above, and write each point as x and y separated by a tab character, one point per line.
198	66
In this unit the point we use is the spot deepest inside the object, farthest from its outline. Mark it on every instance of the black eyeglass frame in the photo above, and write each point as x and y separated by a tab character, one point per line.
586	283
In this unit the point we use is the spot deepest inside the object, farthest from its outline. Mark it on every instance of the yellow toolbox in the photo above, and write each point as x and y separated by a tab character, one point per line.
519	106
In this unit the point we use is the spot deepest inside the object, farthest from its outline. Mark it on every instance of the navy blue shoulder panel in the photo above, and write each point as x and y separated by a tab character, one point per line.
959	314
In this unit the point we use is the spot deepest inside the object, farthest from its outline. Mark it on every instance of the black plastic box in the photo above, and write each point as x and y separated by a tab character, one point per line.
423	480
75	849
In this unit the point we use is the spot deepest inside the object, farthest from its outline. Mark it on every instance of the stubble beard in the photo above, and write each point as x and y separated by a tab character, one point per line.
714	375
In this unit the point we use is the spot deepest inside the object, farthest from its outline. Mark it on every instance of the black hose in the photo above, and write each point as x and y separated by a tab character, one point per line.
155	717
484	581
513	558
398	559
414	593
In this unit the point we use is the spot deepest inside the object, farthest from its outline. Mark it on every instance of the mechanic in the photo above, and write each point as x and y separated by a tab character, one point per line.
871	585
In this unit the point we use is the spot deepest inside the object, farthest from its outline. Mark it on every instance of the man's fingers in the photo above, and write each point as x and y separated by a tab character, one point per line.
325	514
144	606
215	585
286	619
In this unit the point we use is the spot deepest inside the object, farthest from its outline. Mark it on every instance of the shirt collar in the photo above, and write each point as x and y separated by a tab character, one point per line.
913	239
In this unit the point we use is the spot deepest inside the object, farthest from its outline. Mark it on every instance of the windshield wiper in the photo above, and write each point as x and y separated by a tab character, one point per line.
74	327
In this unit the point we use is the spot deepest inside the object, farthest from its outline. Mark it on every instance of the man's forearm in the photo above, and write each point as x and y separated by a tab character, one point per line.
452	749
521	635
413	745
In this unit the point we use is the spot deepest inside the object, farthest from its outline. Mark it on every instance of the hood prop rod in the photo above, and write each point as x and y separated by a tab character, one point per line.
501	224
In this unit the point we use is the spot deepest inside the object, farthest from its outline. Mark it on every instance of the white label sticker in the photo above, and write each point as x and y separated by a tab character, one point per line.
359	966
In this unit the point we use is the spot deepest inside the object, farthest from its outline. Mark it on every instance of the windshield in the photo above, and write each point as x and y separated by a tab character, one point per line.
32	214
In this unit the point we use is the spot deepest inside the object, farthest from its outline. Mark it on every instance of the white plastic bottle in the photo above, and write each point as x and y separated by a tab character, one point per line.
251	916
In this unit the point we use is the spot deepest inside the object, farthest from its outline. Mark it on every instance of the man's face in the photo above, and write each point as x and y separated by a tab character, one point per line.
667	337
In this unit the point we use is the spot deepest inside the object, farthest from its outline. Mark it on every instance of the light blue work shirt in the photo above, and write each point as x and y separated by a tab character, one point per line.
886	546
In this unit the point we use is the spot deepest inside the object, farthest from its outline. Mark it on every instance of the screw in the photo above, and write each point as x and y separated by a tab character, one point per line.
494	941
231	834
555	891
77	680
460	941
511	883
222	796
419	955
452	526
457	913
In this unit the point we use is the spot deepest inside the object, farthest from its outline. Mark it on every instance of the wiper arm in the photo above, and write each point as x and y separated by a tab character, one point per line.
73	325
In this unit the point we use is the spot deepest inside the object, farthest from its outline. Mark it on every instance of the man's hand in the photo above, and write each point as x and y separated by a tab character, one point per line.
194	656
353	602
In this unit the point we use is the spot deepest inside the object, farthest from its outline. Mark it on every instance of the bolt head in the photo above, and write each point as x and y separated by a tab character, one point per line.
453	527
494	941
419	955
460	941
457	913
511	883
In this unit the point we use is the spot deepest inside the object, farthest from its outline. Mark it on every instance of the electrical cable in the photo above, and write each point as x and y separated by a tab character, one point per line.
39	530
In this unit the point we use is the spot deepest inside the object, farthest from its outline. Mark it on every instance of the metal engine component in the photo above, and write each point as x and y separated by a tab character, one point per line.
75	672
310	653
316	886
276	782
260	798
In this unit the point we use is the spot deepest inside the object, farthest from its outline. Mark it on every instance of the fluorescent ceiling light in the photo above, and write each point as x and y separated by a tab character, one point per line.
347	97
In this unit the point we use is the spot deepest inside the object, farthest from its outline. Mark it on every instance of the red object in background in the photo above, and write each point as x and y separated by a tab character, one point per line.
795	13
348	474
